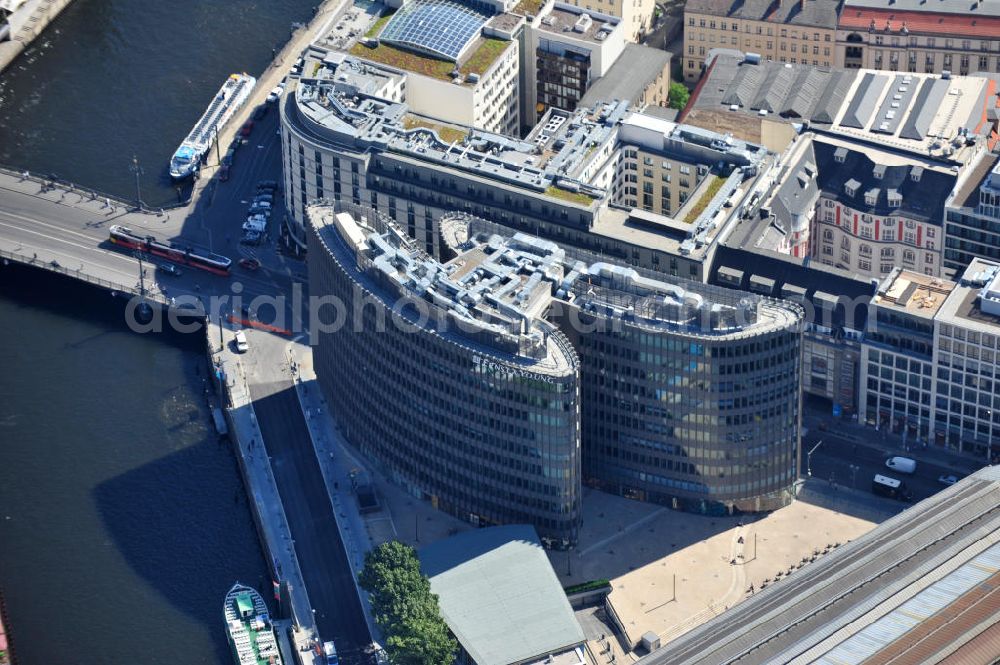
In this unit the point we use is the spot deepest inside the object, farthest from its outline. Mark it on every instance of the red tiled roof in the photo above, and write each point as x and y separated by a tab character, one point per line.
919	22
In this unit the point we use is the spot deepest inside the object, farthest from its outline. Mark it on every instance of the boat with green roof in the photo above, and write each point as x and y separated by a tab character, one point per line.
248	623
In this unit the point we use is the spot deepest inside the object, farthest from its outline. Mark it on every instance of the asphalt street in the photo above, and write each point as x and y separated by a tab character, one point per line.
69	227
318	546
848	460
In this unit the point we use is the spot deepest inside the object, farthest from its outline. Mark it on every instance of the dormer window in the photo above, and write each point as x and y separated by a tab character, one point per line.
916	172
840	155
895	198
879	171
851	187
871	196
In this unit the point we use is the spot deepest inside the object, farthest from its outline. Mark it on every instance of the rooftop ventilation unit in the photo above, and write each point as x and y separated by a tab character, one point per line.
549	20
583	23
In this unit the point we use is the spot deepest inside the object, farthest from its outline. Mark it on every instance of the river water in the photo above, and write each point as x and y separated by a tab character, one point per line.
113	79
122	520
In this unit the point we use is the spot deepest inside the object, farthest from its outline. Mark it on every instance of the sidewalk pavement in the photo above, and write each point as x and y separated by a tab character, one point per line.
263	489
336	466
401	516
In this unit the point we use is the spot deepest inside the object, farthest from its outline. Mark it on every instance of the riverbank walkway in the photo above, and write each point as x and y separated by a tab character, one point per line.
26	24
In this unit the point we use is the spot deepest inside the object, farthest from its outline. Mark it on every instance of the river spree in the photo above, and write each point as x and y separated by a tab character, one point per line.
110	79
123	521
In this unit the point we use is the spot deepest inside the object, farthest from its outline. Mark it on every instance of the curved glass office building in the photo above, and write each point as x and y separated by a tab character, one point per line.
442	375
690	394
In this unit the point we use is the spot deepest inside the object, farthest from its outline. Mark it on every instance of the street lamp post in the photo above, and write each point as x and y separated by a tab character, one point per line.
218	149
854	476
809	458
137	170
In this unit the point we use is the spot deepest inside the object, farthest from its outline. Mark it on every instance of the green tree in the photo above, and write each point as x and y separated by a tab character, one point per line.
677	96
404	607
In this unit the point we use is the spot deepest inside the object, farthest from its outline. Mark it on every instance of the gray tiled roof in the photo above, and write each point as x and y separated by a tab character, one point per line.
499	595
791	91
815	13
634	69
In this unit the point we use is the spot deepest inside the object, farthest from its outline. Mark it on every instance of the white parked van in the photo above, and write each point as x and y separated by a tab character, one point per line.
241	342
901	464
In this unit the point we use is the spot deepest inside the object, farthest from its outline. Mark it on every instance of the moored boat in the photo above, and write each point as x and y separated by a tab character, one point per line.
248	624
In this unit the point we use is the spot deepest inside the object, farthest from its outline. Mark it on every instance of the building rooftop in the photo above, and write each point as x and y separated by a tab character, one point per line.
553	157
915	293
477	300
435	38
813	13
439	28
880	182
913	589
975	302
651	300
985	172
981	8
627	79
946	119
501	599
952	18
576	22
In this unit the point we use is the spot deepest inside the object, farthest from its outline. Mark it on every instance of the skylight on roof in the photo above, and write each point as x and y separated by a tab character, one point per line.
439	28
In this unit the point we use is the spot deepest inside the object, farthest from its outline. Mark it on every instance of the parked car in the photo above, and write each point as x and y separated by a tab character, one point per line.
267	198
224	172
275	93
246	128
948	479
901	464
250	264
259	112
269	185
258	210
170	269
241	342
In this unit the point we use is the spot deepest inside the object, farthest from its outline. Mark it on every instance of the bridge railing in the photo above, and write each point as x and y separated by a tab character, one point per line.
55	266
54	182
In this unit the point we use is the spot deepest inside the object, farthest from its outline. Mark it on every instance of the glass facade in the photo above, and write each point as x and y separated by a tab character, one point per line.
479	433
700	424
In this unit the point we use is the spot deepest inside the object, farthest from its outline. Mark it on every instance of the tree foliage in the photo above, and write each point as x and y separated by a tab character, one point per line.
677	96
404	607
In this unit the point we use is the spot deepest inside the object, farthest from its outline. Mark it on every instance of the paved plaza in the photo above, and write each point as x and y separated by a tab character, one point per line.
671	571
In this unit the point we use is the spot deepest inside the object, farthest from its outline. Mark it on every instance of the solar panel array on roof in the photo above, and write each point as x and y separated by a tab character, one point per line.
863	104
439	28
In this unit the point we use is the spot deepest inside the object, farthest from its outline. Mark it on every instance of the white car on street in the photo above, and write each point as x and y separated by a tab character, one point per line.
241	342
275	94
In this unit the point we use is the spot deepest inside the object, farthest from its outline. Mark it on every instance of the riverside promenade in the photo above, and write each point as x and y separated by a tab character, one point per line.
262	490
26	24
